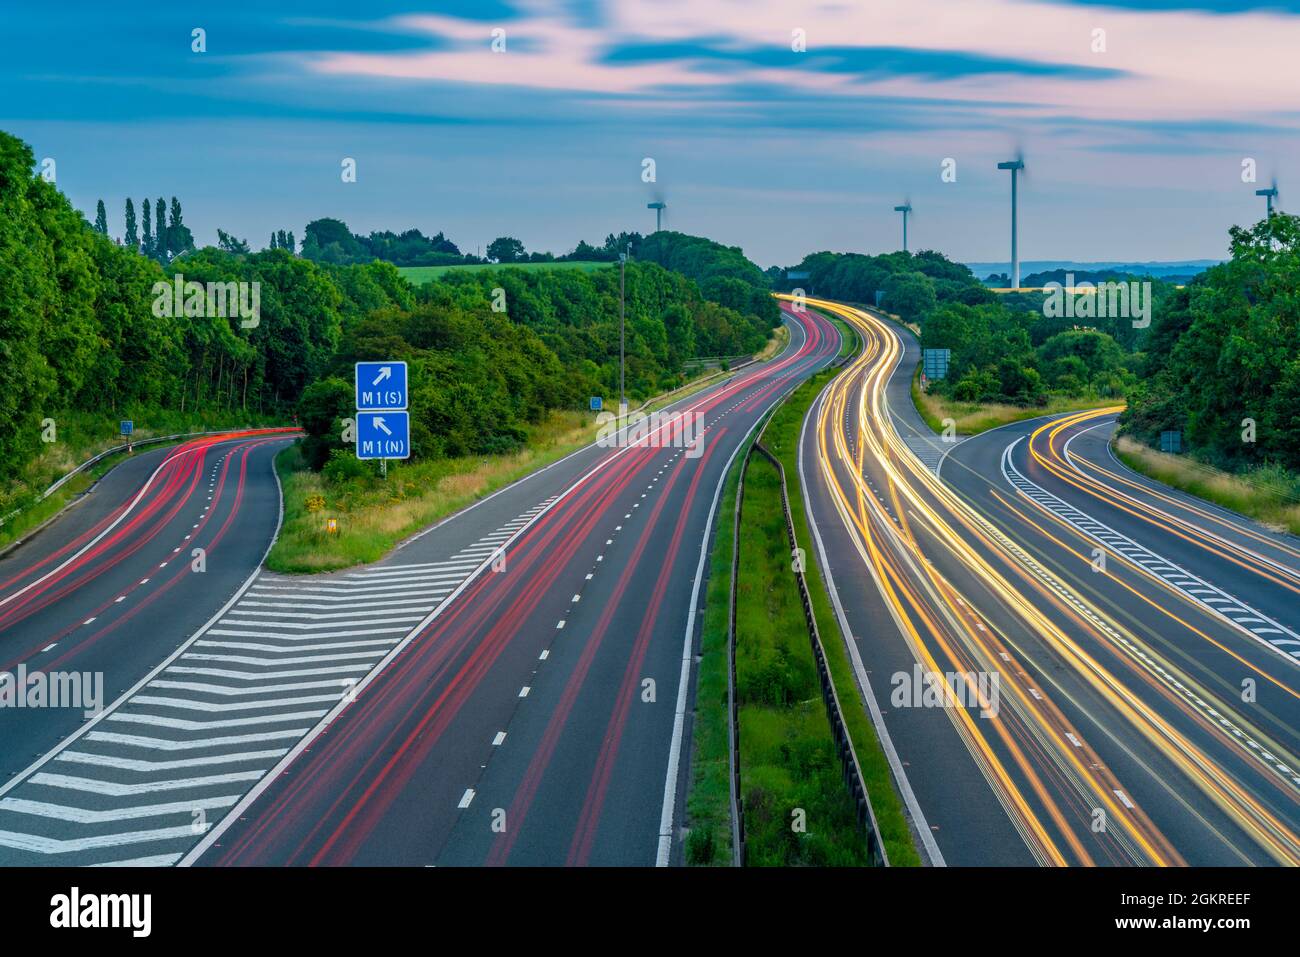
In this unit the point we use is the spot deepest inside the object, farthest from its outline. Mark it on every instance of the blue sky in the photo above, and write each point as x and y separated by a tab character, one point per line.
1134	118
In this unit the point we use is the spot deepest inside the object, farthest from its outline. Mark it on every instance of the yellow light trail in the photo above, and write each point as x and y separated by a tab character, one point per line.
906	580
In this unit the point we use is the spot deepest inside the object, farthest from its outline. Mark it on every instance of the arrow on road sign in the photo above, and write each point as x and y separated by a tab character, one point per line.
379	424
385	372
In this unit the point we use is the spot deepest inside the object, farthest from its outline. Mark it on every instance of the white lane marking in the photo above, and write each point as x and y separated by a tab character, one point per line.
79	815
1099	532
523	692
144	766
113	789
466	798
499	739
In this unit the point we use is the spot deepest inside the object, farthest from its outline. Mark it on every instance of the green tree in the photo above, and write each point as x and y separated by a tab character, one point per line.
505	249
179	238
148	243
101	219
131	238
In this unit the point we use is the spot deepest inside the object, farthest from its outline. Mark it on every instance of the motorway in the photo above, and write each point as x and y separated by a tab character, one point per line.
111	589
1133	692
510	686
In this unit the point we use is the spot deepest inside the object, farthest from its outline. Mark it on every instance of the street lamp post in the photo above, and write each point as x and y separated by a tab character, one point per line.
622	382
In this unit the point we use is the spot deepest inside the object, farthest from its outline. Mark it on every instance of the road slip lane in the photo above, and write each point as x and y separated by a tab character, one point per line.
96	604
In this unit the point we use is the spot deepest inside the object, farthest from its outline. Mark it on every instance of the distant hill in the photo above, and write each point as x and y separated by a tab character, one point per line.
1174	271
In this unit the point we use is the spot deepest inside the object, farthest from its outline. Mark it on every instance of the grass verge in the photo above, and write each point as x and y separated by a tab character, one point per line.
708	800
782	438
1270	495
971	418
374	514
797	809
780	339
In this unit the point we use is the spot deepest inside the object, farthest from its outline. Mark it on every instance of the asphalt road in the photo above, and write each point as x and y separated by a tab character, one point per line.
540	715
101	596
1120	734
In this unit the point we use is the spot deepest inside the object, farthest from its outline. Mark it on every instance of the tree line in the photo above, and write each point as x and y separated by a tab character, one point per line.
162	239
1003	348
1222	360
80	331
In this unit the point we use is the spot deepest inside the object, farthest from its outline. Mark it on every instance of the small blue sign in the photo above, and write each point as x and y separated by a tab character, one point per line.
381	385
127	426
597	403
383	435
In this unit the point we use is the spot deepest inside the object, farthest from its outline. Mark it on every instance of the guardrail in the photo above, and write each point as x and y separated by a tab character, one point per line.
844	744
852	770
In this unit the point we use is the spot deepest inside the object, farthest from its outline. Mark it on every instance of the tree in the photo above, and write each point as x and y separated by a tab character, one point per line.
101	219
505	249
910	296
149	244
179	238
231	244
160	240
131	239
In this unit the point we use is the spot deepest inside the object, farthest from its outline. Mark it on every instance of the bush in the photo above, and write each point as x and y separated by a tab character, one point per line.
344	467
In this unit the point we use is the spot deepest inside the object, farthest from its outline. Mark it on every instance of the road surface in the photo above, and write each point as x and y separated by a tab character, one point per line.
1118	733
511	686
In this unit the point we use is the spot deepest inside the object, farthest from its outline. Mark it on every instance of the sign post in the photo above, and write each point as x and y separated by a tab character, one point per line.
383	422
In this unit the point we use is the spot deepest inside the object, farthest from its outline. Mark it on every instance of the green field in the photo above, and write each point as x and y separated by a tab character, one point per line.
418	275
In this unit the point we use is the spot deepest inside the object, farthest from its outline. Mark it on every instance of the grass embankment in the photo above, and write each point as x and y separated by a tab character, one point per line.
374	514
781	747
1270	495
418	275
79	437
708	800
782	437
780	339
971	418
797	809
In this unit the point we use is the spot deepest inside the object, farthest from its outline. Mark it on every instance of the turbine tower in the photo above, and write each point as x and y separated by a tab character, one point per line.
1269	195
1015	165
659	212
904	209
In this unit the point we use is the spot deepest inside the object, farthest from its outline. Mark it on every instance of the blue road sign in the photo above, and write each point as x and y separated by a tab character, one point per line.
597	403
383	435
127	426
381	385
934	363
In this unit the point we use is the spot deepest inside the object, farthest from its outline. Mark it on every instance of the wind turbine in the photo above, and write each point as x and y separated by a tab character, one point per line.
659	208
904	209
1269	195
1015	166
